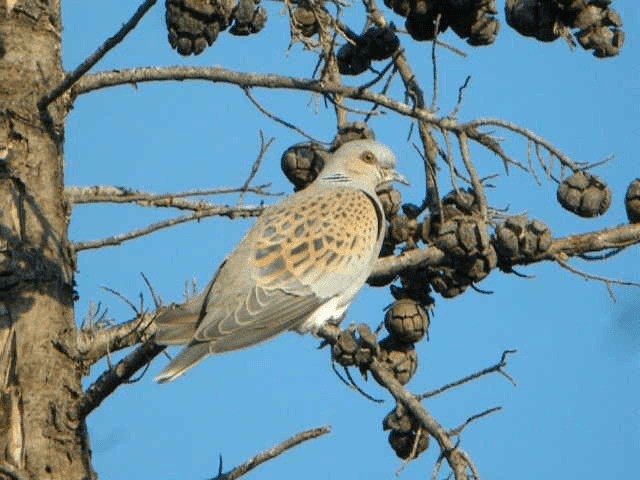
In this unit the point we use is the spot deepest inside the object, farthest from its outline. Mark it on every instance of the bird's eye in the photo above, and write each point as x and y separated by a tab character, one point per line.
368	157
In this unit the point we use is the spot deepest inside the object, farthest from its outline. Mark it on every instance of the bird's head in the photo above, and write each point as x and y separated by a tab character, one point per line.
365	162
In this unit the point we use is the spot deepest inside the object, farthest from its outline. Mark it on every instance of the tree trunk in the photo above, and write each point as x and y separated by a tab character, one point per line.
41	436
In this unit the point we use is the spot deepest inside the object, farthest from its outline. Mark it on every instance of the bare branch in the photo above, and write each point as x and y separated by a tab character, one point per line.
458	430
112	194
117	375
485	371
478	189
96	56
94	344
573	245
264	146
265	112
457	460
272	453
222	211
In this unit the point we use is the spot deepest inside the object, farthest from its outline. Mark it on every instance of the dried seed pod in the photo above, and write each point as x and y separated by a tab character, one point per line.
584	194
301	163
403	230
604	41
407	321
404	443
400	358
352	60
194	24
305	19
533	18
352	131
632	201
248	18
401	7
422	27
473	20
519	238
391	200
380	42
449	283
460	202
345	349
400	420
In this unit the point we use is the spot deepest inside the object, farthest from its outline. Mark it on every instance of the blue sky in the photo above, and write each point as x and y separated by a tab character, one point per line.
574	413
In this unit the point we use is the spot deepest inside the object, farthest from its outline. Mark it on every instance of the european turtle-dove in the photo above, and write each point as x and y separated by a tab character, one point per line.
300	265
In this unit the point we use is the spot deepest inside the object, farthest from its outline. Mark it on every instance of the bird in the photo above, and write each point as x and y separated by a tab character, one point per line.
300	265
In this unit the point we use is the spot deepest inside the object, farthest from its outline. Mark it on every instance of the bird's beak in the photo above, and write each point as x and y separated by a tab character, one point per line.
392	176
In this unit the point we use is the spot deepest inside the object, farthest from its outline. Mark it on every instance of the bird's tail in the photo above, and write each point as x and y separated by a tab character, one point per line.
178	324
189	357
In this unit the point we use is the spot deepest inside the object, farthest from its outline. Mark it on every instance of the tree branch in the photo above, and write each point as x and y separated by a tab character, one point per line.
113	194
120	373
222	211
457	459
94	344
485	371
573	245
272	453
96	56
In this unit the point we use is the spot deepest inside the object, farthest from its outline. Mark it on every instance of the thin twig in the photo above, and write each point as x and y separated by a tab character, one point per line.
265	112
264	146
71	78
270	454
230	212
357	388
458	430
607	281
478	189
485	371
463	87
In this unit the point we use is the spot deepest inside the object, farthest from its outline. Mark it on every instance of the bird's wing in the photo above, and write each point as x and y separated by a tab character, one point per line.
314	246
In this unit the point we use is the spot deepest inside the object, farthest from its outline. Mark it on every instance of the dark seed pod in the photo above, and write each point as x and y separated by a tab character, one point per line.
401	7
404	443
422	27
473	20
248	18
351	60
399	420
533	18
604	41
632	201
345	349
301	163
352	131
380	43
407	321
460	202
518	238
400	358
391	200
584	194
449	283
306	21
195	24
467	241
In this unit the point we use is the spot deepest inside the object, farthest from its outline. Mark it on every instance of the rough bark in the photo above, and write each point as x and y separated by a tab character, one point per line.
40	434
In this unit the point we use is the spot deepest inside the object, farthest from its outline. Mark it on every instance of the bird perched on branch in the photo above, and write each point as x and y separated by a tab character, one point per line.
301	264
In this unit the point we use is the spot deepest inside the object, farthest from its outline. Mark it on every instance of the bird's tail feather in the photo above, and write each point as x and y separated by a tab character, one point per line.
189	357
178	325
